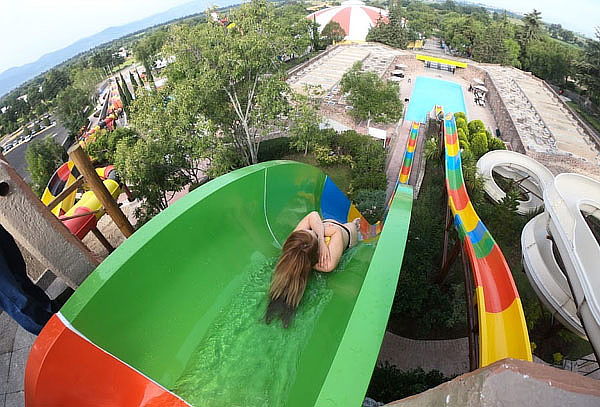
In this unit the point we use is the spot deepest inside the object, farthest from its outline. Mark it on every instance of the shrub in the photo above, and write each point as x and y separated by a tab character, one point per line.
325	157
273	149
389	383
479	144
495	143
43	158
371	203
460	115
476	126
461	124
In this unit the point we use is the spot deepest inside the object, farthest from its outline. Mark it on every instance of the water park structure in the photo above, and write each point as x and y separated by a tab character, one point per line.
560	250
184	338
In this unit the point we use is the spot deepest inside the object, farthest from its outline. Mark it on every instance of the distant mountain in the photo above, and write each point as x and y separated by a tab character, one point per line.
13	77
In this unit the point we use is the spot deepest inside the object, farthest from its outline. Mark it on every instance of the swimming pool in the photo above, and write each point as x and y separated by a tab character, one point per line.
429	92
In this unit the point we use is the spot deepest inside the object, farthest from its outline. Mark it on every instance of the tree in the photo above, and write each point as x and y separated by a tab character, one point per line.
393	33
532	29
146	50
236	74
550	60
87	79
304	125
496	45
333	32
71	104
154	174
122	94
588	69
43	159
55	81
178	121
371	97
140	81
133	81
103	147
125	88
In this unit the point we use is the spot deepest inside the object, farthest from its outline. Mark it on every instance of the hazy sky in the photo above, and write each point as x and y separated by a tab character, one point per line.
576	15
32	28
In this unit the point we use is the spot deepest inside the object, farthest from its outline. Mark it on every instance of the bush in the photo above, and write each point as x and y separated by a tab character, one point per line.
371	203
43	159
36	128
273	149
476	126
479	144
103	147
46	122
326	157
388	383
461	124
460	115
26	131
495	143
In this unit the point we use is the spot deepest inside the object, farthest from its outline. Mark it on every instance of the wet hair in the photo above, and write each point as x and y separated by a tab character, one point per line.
300	253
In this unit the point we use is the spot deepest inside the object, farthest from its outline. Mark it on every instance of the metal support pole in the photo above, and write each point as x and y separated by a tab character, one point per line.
85	167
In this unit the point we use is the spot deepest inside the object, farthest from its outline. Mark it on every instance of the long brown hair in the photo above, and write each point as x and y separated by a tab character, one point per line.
299	254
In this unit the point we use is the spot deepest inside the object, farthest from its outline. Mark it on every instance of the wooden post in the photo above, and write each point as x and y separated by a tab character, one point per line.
103	240
65	193
85	167
39	232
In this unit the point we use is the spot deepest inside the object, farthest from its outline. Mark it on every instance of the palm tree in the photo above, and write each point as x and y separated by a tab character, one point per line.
533	26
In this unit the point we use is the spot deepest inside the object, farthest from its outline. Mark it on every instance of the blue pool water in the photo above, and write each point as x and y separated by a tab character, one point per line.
428	92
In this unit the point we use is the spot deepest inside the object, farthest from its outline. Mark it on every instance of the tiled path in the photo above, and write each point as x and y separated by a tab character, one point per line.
451	357
15	343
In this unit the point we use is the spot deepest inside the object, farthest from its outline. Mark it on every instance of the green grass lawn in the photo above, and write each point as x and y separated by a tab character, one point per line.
340	174
593	121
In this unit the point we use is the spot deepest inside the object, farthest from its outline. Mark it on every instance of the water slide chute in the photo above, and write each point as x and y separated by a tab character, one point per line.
570	292
178	286
409	153
64	177
502	328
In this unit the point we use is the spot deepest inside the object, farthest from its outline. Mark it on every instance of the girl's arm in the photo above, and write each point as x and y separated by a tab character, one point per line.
313	222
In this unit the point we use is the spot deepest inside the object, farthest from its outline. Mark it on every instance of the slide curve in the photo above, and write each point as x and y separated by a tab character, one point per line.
502	328
173	316
566	200
530	174
571	294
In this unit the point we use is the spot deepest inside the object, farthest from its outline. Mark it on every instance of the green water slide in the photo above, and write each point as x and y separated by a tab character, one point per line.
181	303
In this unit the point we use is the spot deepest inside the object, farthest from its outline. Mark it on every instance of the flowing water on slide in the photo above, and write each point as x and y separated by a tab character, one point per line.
245	362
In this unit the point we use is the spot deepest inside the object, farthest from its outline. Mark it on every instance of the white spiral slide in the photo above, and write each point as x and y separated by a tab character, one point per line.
572	292
530	174
565	201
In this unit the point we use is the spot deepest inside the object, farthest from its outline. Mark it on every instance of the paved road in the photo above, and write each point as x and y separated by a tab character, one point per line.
16	156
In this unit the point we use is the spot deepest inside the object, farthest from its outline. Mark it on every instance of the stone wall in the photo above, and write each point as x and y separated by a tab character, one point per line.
504	121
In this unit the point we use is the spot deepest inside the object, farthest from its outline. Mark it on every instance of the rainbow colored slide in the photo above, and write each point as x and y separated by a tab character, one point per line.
502	328
409	153
173	317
